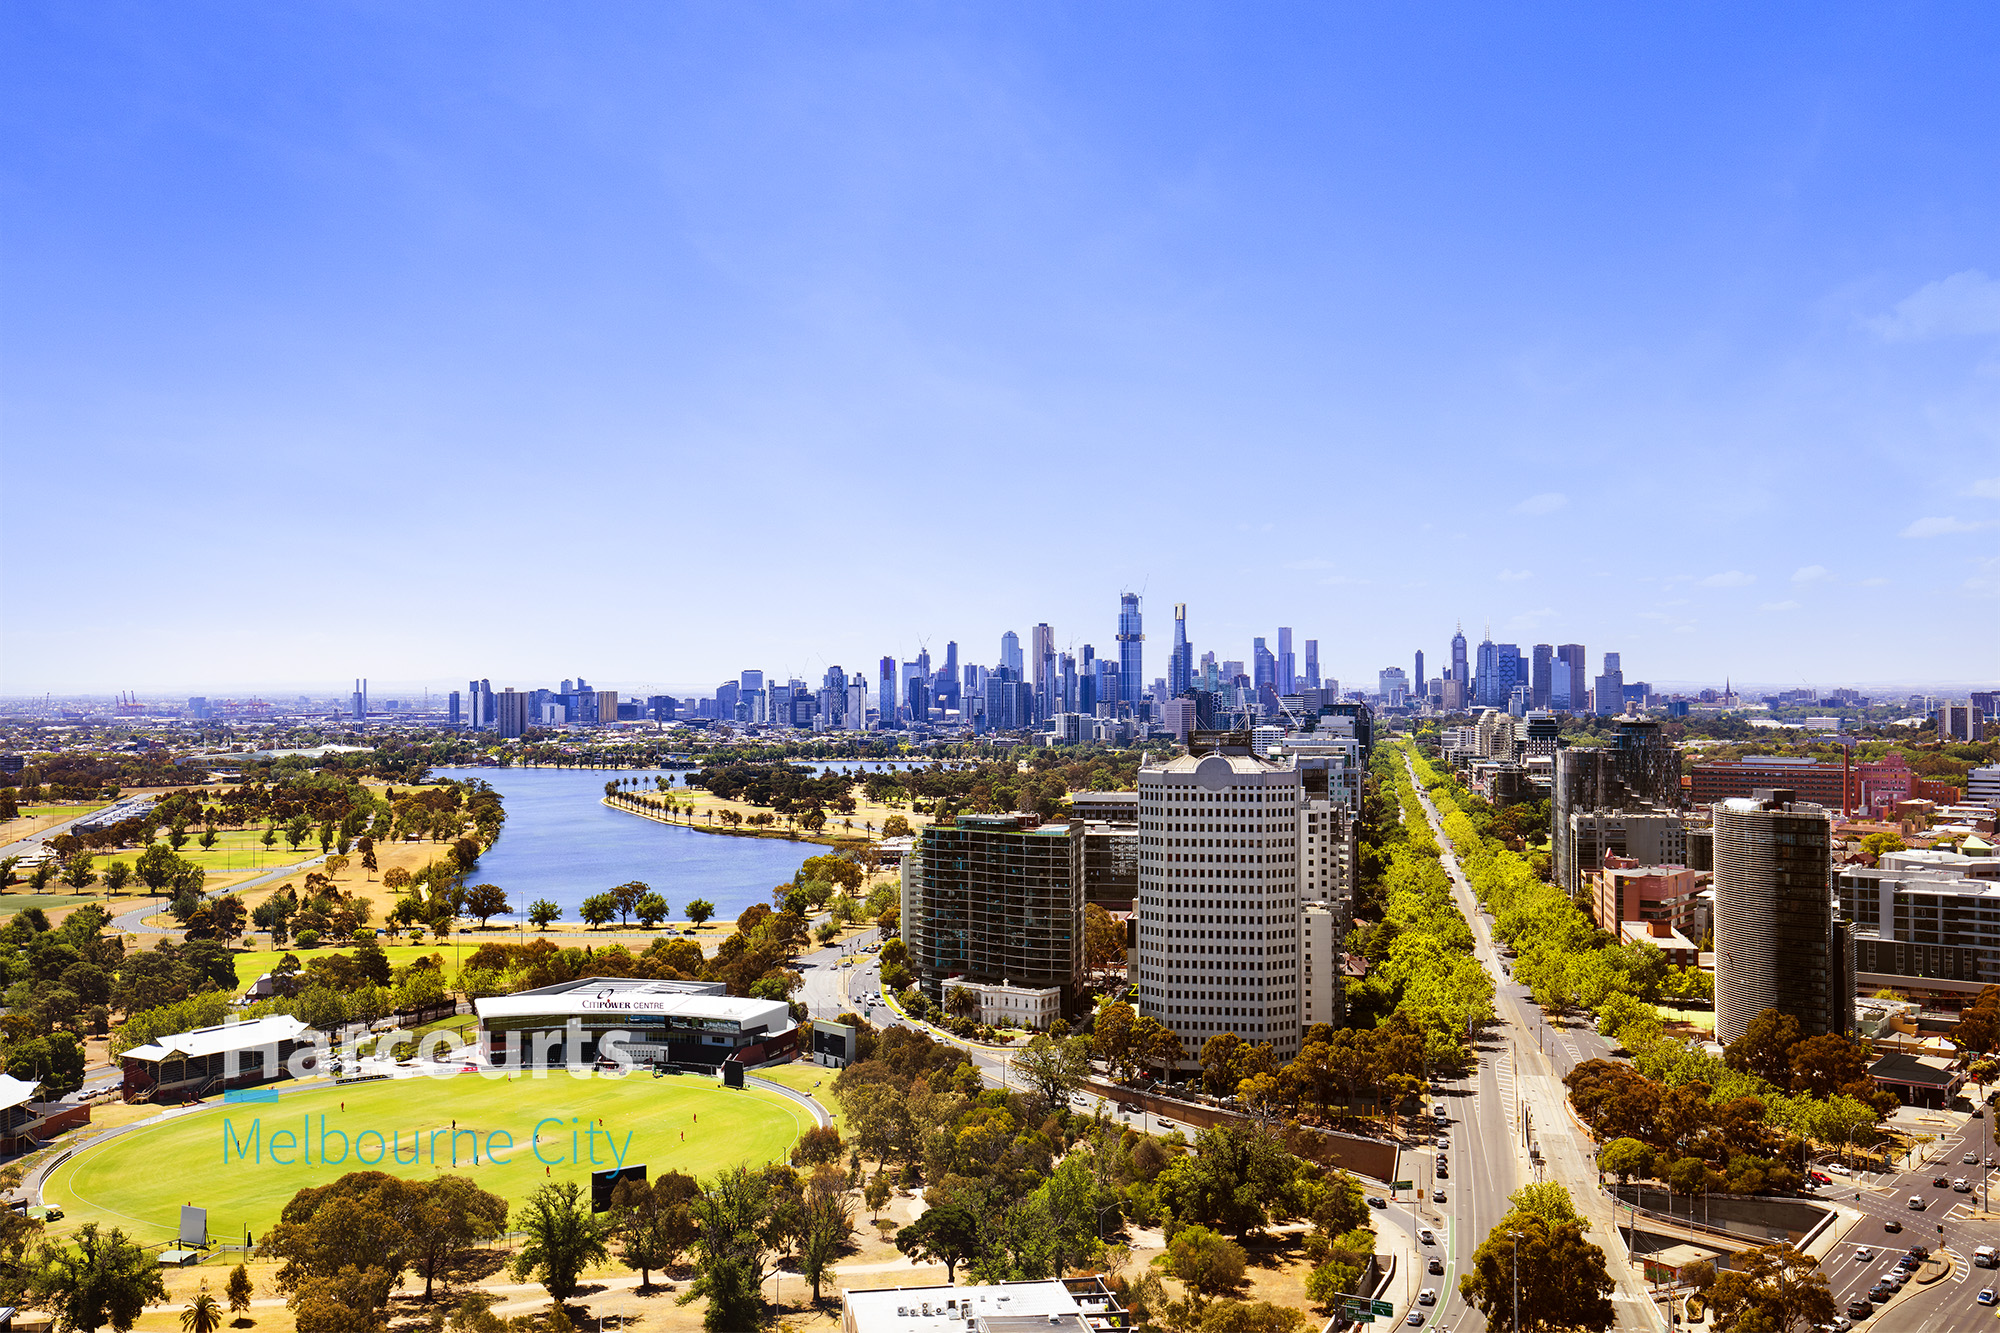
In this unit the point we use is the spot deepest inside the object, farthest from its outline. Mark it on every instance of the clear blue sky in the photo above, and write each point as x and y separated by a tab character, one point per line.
656	341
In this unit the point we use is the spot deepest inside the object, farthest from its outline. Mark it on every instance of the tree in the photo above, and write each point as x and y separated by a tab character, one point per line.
239	1289
116	876
1765	1048
1237	1179
562	1238
106	1279
736	1221
1563	1281
542	913
341	1244
486	901
651	909
626	897
598	908
1207	1263
947	1233
1103	940
652	1223
1112	1035
1625	1158
700	910
1822	1066
203	1314
895	826
1054	1069
1773	1289
447	1217
828	1224
78	872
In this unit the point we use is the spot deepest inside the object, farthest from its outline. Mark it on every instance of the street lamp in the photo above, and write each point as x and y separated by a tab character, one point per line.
1515	1236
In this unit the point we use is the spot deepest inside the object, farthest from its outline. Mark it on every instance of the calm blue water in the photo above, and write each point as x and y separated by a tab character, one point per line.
559	843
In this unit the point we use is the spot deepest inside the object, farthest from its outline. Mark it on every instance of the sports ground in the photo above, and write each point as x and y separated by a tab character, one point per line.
243	1161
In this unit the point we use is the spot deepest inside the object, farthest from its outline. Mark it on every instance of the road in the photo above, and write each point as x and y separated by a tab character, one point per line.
1515	1102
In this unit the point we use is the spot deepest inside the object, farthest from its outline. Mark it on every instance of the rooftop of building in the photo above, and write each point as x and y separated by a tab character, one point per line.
1205	767
1075	1304
610	997
220	1039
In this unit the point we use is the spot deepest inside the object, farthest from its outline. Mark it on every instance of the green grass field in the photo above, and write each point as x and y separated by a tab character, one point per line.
139	1180
11	903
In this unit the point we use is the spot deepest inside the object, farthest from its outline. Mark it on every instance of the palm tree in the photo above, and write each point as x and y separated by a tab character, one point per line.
203	1314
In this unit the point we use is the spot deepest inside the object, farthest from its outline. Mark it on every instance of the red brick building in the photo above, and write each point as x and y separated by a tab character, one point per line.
1812	780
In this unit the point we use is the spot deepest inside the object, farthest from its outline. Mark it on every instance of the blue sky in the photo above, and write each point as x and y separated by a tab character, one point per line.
651	342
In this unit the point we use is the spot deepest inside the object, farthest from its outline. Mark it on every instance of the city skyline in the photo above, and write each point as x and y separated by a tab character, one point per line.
1673	331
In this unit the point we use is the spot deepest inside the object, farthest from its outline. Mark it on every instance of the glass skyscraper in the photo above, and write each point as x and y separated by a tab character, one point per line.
1131	648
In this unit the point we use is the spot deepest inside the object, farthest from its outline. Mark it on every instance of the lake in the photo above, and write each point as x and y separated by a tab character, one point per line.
560	843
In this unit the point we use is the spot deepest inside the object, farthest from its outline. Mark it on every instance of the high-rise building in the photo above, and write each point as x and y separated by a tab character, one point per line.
752	681
1417	681
1010	653
607	707
885	690
1541	678
1180	666
1619	799
1131	648
1218	931
1576	700
996	899
360	702
1393	686
1286	681
947	679
1263	665
1957	722
1486	674
1609	697
857	702
1460	670
451	709
1312	664
1778	944
1042	644
514	713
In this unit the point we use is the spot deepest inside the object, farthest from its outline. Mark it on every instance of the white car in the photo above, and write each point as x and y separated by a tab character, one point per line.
1989	1297
1428	1296
1864	1252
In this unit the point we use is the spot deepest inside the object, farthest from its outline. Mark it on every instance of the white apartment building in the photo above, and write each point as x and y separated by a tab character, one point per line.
1320	933
1218	944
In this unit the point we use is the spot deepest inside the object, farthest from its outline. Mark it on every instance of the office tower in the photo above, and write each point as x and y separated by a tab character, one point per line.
1195	965
1180	666
885	690
568	687
663	708
1777	942
1417	681
1131	648
1460	671
1287	664
1621	799
1393	686
727	695
1312	664
1263	665
479	703
948	677
917	697
1086	684
607	707
1486	674
451	709
359	704
1961	722
514	715
1110	688
857	702
1066	682
996	900
1541	676
1042	665
972	685
1511	671
1610	694
752	681
1010	653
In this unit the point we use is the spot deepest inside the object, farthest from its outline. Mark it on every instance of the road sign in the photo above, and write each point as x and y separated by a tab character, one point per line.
1402	1184
1382	1307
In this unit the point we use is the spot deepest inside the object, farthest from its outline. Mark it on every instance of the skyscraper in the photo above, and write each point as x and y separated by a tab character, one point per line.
947	680
1610	698
1486	674
1131	648
1042	641
1417	681
1180	667
1572	699
360	699
1541	679
452	713
1777	943
1263	665
1312	664
885	690
1287	664
1010	653
1460	693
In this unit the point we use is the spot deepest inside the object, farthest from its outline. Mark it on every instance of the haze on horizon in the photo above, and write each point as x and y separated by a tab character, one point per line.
657	343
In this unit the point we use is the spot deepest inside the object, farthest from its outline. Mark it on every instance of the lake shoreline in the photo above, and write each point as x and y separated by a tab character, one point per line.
776	835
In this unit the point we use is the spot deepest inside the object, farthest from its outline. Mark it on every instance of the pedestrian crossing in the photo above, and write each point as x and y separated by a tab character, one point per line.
1503	1078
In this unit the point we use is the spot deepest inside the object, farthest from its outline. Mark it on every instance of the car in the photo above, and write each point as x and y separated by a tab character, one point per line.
1437	1196
1941	1182
1427	1236
1821	1178
1444	1142
1839	1170
1988	1296
1377	1201
1864	1252
1859	1308
1962	1185
1442	1172
1917	1204
1428	1296
1436	1268
1880	1293
1892	1225
1918	1252
1840	1324
1415	1319
1970	1159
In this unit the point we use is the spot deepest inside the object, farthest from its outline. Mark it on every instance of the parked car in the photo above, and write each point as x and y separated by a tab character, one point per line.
1427	1236
1859	1308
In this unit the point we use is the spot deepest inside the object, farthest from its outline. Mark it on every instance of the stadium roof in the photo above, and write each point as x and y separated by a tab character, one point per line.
619	997
222	1038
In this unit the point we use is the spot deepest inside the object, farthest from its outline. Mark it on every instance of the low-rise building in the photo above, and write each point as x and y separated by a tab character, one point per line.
1005	1006
1058	1305
679	1022
1625	890
1679	949
1105	807
1647	835
228	1055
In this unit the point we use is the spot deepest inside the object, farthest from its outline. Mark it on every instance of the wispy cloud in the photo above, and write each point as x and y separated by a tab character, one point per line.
1735	578
1986	488
1778	606
1545	503
1963	304
1514	575
1811	574
1942	526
